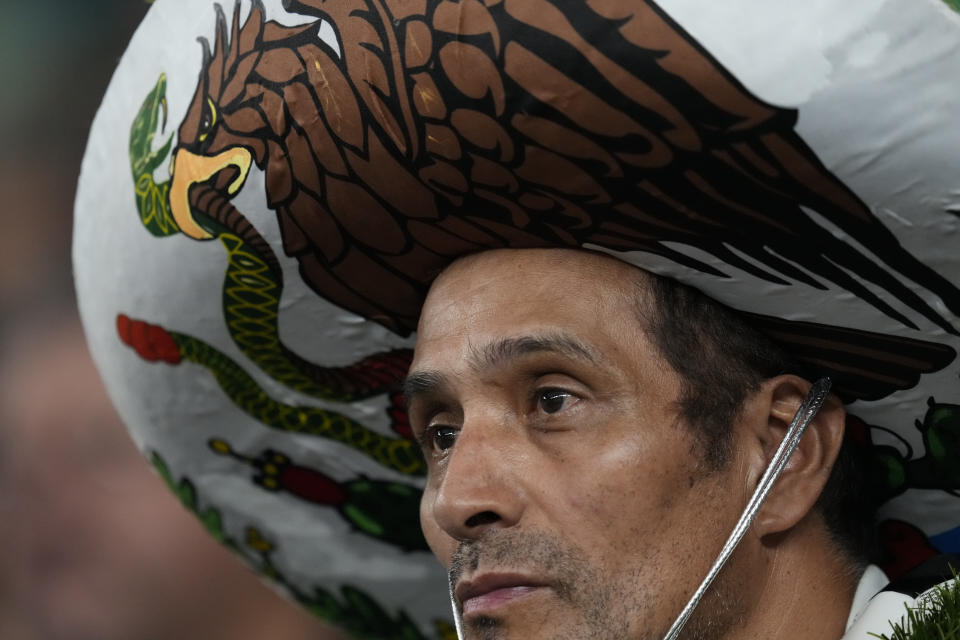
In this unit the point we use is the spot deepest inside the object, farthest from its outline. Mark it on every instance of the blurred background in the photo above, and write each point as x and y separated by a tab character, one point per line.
96	547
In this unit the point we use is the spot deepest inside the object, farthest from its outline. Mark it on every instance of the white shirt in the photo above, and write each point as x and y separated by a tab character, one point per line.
873	610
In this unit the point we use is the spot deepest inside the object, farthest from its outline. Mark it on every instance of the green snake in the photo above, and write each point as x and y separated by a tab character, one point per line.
155	343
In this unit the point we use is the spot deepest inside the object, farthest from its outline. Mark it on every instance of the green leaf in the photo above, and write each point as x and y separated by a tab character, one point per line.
213	523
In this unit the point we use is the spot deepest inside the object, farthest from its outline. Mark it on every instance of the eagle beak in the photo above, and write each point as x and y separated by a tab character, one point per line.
188	168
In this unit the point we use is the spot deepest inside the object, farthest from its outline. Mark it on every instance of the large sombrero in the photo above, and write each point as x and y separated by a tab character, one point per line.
259	217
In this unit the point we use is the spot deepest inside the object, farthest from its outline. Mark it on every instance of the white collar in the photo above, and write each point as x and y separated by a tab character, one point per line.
873	609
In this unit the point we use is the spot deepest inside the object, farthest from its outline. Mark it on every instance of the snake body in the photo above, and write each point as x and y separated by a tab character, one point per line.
398	454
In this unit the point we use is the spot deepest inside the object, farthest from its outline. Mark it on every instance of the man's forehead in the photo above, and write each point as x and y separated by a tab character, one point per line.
505	274
574	261
513	301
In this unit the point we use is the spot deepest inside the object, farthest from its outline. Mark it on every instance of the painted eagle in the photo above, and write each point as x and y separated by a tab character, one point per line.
396	135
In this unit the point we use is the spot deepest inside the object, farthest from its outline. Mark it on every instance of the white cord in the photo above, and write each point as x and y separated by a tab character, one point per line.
805	414
457	622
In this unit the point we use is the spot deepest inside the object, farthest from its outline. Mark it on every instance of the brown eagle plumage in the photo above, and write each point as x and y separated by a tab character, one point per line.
416	131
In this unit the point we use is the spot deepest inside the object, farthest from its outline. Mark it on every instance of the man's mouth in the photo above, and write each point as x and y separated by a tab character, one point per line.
487	592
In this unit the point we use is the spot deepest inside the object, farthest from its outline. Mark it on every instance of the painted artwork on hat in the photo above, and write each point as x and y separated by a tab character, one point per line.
269	191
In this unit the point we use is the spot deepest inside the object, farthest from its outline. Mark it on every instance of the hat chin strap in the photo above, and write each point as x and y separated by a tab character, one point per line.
805	414
457	618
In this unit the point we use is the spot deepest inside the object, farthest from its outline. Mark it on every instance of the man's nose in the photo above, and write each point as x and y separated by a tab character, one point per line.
479	489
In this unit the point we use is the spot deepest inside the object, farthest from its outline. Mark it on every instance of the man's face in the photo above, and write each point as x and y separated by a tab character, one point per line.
565	493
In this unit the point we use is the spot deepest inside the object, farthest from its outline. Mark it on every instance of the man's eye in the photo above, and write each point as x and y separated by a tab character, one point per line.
554	400
442	438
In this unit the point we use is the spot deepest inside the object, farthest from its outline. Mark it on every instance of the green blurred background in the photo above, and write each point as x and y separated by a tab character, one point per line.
94	546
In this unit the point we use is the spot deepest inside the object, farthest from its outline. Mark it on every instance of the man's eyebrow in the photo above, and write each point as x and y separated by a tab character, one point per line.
495	353
421	383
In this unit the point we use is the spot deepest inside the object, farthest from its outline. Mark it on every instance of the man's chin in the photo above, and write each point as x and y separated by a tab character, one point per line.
485	627
482	627
524	623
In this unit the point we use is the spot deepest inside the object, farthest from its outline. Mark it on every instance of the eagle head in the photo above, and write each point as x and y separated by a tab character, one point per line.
258	101
209	148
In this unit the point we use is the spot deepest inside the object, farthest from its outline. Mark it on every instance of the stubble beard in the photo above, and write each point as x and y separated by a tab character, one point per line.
604	605
601	610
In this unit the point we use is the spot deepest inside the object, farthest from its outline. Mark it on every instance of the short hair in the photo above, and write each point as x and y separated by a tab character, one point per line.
720	360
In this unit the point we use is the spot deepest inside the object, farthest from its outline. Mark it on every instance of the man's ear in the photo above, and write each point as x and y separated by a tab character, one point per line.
766	418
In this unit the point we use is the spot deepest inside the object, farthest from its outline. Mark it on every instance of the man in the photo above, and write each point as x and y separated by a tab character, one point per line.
575	488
